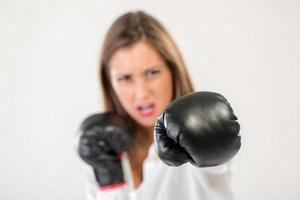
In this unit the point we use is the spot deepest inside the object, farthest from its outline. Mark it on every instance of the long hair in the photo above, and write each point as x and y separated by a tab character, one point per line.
128	29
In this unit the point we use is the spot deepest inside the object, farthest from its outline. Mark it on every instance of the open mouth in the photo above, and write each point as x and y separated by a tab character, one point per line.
146	110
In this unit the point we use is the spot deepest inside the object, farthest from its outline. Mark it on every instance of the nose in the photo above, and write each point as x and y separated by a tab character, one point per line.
142	90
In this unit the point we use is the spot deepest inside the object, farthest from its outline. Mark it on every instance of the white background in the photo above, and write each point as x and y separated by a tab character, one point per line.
247	50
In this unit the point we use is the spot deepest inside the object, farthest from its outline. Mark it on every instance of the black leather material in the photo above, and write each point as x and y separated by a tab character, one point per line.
199	128
104	136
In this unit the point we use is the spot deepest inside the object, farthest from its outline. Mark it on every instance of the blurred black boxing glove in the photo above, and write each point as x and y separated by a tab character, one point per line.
103	138
199	128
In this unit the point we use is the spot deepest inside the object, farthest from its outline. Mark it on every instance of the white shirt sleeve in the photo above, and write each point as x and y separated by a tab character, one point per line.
162	182
217	180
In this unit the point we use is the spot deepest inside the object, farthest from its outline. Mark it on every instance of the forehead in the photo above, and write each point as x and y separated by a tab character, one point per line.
134	58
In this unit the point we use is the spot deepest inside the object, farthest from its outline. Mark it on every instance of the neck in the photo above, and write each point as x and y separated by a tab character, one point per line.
144	136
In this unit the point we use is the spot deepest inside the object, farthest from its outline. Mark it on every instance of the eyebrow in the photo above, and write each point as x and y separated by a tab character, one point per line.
152	67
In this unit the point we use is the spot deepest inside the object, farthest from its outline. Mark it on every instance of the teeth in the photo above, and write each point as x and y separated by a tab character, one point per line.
146	108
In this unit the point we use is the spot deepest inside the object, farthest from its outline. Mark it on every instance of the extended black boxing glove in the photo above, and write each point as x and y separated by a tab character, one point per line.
199	128
103	138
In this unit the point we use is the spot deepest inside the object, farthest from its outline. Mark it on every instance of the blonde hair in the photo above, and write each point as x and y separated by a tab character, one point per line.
128	29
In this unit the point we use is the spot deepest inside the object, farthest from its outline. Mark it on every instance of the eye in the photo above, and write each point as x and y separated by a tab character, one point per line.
151	73
124	78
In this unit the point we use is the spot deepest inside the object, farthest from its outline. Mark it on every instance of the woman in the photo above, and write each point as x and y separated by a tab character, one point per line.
141	72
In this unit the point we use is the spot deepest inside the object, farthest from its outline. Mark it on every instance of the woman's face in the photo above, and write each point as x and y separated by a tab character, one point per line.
142	82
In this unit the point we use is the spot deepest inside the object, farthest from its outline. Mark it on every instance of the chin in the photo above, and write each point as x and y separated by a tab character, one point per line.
146	124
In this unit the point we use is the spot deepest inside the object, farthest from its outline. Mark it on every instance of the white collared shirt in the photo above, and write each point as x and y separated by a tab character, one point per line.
162	182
